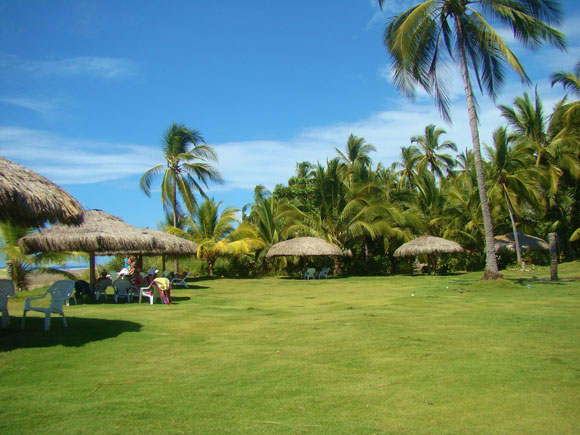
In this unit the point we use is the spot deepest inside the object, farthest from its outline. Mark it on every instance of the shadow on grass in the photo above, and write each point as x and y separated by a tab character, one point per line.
534	279
179	298
79	332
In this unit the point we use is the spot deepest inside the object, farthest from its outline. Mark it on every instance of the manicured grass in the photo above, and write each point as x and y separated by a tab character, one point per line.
275	355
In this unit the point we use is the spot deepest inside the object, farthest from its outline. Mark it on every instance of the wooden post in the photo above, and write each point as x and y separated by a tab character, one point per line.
553	239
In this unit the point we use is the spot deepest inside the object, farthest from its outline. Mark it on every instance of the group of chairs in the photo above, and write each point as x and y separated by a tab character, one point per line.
159	287
310	273
60	292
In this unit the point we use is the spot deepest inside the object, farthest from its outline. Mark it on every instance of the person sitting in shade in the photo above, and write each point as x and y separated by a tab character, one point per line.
104	275
133	273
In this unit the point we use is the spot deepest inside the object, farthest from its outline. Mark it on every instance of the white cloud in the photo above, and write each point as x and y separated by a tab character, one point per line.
75	161
43	107
88	66
243	164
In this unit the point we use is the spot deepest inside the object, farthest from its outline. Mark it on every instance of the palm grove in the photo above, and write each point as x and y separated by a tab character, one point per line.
524	180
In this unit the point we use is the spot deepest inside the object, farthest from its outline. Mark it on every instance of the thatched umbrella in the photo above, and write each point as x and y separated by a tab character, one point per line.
306	247
28	198
527	243
303	247
429	245
99	234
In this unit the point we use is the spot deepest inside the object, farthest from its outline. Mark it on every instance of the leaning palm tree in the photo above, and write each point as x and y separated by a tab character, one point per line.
187	164
513	176
421	39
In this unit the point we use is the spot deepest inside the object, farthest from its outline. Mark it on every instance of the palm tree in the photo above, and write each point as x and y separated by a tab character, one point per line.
19	265
187	158
513	177
555	141
216	234
410	157
569	80
528	120
304	171
430	145
357	152
421	38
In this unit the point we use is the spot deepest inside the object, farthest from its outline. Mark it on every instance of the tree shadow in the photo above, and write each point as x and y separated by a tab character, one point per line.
524	282
80	331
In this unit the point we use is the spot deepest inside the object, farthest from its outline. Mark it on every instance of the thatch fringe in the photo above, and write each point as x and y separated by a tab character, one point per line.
302	247
29	199
104	234
427	245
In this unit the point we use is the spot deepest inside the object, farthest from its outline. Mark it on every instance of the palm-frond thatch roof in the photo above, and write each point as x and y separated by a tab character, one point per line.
100	232
104	234
29	199
428	245
527	243
303	247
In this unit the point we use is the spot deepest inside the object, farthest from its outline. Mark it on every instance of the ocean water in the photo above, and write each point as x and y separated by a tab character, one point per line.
77	265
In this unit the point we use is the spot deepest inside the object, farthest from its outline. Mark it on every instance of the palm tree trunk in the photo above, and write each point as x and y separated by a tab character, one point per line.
175	261
514	229
491	268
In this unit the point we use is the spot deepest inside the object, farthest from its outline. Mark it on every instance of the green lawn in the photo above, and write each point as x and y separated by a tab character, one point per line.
275	355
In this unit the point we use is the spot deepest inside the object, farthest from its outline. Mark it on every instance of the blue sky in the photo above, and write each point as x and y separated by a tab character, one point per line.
87	89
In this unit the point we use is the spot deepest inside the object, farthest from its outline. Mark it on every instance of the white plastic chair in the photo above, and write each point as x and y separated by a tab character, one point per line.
101	288
180	280
310	273
152	292
60	292
122	287
7	290
323	273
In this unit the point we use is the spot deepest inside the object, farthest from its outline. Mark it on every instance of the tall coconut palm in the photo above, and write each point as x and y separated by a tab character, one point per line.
513	176
187	164
421	39
432	155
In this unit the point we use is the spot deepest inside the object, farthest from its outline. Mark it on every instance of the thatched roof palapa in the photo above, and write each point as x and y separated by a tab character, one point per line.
104	234
28	198
527	243
303	247
100	232
428	245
